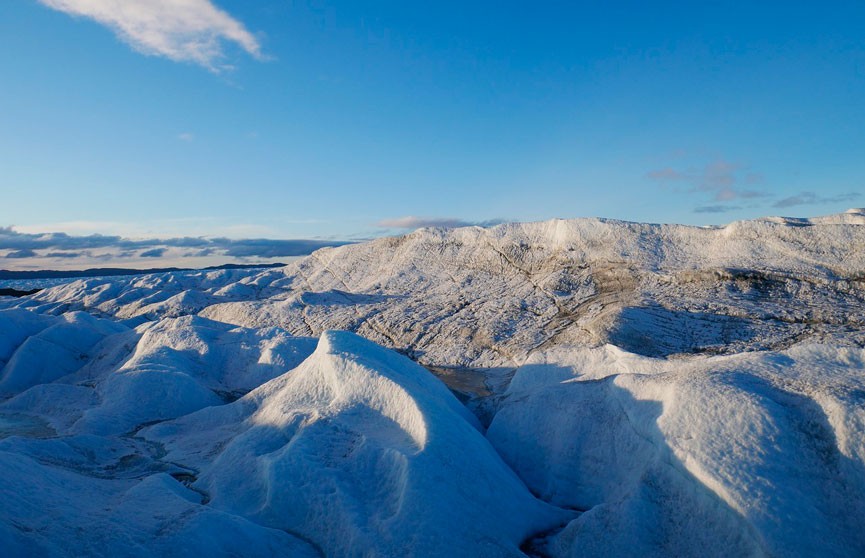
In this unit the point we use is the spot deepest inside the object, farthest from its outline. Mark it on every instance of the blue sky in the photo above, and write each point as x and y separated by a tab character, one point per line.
347	120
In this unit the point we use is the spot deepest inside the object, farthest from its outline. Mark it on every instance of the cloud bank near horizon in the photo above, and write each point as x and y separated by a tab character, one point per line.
412	222
16	245
181	30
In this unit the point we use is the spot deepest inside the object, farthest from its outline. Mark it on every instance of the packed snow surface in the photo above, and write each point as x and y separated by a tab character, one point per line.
616	389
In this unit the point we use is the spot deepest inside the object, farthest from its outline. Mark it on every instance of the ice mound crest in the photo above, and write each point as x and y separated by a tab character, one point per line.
363	451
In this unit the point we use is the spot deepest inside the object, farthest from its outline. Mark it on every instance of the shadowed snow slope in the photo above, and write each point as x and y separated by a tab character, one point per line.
362	451
37	349
755	454
52	511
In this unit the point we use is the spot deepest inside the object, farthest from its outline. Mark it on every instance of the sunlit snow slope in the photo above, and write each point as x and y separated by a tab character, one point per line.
649	390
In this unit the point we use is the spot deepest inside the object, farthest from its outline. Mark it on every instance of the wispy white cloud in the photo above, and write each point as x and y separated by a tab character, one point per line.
716	208
181	30
412	222
668	174
186	136
812	198
719	178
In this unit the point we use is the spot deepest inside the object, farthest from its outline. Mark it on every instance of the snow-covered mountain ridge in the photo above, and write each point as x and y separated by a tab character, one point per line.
474	297
649	390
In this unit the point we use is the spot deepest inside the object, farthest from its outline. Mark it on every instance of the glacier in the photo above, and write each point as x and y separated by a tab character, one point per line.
583	387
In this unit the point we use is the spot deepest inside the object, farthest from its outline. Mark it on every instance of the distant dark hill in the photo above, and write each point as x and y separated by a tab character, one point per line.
16	292
110	271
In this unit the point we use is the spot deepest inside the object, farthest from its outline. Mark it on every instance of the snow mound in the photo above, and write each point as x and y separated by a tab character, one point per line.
153	296
51	510
180	365
363	452
224	357
87	375
36	349
755	454
853	216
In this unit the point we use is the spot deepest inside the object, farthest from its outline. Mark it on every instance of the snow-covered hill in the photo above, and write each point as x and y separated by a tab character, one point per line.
474	297
649	390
